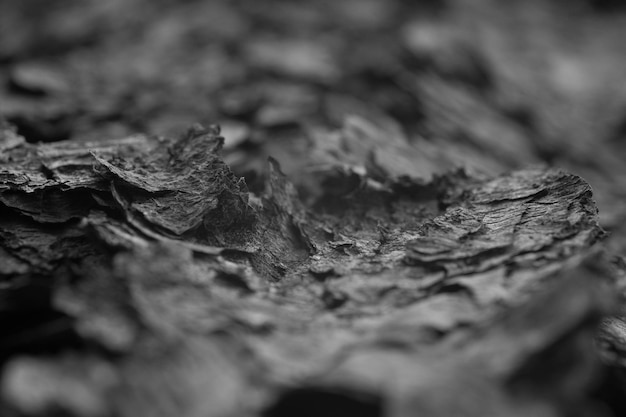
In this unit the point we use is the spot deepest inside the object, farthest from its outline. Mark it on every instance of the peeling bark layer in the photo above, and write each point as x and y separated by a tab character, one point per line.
188	295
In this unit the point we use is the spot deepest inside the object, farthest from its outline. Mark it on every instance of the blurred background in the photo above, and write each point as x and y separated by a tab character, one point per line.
486	85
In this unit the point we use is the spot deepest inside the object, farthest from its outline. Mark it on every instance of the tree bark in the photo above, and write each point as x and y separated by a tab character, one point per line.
390	235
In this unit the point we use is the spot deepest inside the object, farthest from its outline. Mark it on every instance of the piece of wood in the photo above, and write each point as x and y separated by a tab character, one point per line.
187	295
398	221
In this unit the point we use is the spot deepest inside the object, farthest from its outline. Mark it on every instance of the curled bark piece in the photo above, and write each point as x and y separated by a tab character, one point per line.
188	279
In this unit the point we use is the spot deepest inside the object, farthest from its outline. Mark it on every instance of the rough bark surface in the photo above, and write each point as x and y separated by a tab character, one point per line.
390	221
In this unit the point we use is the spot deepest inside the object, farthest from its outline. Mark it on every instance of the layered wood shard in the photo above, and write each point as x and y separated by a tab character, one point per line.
181	187
181	292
